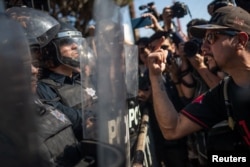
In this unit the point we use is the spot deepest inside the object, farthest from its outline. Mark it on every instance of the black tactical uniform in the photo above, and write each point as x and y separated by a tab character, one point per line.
56	138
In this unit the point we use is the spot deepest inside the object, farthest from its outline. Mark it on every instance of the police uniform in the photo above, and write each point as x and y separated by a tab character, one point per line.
57	143
65	94
50	92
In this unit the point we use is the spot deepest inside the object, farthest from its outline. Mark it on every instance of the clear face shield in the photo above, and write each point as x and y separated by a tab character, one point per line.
70	48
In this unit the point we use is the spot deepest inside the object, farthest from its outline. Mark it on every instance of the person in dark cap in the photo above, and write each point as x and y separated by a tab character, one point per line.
216	4
227	36
243	4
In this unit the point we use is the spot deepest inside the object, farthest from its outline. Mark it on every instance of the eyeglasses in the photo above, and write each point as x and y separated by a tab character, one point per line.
211	37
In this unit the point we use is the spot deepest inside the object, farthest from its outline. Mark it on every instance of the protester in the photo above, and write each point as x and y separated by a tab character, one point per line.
168	152
228	30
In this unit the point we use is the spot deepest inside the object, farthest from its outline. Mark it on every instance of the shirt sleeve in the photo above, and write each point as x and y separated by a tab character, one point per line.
208	109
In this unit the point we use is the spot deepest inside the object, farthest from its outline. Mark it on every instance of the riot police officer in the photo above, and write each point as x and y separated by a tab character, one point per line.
55	135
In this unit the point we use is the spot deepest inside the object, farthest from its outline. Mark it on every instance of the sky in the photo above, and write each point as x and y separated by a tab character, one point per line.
198	9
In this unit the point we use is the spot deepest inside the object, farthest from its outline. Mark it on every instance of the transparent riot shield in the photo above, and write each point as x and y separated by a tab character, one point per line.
137	144
89	92
140	139
131	70
103	75
2	6
18	145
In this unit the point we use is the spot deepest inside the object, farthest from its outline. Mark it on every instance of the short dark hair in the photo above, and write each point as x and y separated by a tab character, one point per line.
158	35
195	22
143	41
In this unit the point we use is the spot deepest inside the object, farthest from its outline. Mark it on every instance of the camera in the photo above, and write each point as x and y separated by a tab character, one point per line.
150	9
179	10
147	6
192	47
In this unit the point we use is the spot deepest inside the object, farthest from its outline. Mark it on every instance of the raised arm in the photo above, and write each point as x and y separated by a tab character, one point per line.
172	124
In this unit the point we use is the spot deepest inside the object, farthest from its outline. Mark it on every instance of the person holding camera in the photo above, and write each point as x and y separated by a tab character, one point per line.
228	30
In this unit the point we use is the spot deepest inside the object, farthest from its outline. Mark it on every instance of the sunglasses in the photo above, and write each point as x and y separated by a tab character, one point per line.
212	37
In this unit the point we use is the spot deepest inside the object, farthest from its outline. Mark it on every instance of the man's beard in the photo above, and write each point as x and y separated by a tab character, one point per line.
213	69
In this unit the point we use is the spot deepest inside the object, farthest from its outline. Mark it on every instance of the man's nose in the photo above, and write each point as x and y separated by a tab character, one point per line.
73	45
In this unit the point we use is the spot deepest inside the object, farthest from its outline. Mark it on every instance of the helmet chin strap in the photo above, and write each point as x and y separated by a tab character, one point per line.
69	61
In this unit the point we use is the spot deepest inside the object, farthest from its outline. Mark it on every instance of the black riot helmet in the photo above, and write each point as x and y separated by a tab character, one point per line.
39	27
66	48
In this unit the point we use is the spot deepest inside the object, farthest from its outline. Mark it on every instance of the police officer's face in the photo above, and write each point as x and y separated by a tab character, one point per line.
69	50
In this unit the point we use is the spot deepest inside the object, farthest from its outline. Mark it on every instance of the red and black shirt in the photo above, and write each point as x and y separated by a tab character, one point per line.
209	108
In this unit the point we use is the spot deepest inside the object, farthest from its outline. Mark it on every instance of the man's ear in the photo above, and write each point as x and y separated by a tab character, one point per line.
243	38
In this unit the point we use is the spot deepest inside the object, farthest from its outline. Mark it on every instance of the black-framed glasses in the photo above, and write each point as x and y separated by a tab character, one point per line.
212	36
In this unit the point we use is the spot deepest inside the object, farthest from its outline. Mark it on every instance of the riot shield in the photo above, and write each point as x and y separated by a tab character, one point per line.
131	69
131	80
18	146
105	117
141	152
89	94
1	6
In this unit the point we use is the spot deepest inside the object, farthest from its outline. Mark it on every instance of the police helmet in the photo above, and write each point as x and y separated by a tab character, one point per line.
39	27
66	48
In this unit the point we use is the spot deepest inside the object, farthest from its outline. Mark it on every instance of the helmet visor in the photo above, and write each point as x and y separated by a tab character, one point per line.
70	50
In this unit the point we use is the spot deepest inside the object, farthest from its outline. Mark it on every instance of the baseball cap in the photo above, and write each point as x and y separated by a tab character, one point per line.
228	17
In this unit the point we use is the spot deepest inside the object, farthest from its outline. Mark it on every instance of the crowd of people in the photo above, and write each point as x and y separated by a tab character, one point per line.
187	87
194	89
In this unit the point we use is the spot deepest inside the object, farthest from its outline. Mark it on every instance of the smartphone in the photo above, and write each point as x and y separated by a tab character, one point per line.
141	22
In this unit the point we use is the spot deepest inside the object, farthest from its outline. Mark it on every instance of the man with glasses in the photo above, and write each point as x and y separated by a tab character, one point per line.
227	36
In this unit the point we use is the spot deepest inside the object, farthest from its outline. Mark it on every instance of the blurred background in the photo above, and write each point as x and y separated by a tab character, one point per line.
80	12
197	9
